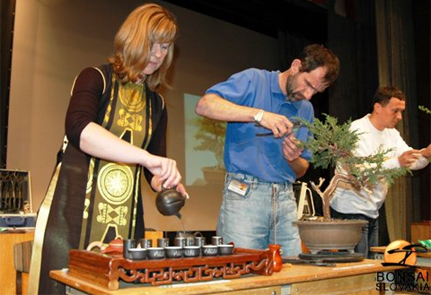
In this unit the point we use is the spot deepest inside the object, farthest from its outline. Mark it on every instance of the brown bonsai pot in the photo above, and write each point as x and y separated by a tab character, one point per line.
335	234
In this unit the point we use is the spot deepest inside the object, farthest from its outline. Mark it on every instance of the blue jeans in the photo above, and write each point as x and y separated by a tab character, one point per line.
370	232
249	220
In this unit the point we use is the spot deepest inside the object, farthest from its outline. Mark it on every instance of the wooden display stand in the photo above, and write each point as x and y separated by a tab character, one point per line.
7	270
108	270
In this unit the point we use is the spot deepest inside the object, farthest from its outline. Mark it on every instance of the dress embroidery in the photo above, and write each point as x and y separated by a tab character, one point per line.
110	205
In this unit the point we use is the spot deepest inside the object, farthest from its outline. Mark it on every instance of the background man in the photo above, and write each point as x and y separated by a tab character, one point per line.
377	130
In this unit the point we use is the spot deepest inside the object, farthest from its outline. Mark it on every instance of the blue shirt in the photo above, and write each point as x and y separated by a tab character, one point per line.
246	152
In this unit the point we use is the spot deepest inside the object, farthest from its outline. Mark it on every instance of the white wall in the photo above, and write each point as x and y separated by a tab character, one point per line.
55	39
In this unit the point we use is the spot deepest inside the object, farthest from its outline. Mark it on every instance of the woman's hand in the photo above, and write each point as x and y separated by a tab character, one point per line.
182	190
157	185
165	169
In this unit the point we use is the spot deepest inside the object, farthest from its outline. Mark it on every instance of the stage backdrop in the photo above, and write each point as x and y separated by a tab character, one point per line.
55	39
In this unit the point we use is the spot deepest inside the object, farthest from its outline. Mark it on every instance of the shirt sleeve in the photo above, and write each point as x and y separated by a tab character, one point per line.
391	163
420	163
84	103
398	148
237	89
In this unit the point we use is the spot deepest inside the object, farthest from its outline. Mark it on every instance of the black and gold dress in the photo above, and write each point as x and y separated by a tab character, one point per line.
90	199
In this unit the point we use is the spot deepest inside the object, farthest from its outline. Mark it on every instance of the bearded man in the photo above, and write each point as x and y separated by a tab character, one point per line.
259	205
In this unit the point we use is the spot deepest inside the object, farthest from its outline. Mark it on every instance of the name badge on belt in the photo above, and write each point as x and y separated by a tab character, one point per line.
238	187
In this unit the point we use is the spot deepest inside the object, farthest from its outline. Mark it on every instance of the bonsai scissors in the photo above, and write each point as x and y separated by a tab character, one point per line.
295	128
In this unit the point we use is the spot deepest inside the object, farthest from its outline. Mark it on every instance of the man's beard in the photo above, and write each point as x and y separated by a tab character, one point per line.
291	95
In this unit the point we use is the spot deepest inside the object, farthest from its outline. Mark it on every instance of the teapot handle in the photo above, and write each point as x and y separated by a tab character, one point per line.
166	188
198	234
96	244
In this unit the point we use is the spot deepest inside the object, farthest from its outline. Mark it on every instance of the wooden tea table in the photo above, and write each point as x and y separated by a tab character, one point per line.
343	278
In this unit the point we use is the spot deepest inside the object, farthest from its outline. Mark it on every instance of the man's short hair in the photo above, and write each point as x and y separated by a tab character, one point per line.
384	94
316	55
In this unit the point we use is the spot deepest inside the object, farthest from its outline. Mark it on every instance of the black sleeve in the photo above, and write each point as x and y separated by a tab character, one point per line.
84	103
157	145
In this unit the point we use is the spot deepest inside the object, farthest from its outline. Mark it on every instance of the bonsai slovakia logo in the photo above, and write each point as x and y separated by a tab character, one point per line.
403	253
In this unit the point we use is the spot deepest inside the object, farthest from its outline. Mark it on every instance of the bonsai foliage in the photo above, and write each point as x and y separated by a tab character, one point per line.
333	144
425	109
211	138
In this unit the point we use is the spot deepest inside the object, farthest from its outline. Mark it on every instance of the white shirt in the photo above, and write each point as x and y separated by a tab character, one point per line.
370	140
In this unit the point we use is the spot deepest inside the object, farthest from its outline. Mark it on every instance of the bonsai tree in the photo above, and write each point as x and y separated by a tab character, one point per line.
211	138
332	144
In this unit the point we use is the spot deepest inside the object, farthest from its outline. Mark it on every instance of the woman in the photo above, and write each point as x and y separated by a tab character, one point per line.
115	126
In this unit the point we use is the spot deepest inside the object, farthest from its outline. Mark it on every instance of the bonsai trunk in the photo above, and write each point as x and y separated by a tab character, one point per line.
327	194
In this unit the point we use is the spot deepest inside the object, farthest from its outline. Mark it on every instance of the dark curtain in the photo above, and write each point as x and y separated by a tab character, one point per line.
7	23
353	38
422	36
396	60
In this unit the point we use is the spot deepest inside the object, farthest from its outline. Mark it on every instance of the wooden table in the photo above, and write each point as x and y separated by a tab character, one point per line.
344	278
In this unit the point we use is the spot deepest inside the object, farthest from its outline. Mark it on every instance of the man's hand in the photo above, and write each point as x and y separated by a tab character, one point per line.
408	158
292	154
291	150
278	124
426	152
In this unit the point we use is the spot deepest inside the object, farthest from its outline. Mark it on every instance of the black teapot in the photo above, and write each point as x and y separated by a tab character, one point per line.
170	201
